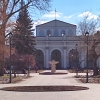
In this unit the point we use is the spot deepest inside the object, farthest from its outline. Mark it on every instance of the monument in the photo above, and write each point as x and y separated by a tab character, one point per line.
53	65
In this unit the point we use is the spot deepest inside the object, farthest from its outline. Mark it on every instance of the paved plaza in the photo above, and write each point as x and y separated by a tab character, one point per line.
93	93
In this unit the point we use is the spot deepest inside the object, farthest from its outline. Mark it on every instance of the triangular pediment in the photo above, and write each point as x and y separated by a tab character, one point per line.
56	23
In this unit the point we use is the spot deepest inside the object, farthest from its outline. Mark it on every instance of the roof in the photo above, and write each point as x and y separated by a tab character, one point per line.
56	23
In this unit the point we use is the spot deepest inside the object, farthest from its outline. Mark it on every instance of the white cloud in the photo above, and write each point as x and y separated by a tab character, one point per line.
58	15
52	14
68	17
38	22
89	14
97	29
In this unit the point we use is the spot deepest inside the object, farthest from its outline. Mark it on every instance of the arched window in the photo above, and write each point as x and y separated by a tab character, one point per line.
56	32
49	32
70	33
63	32
41	33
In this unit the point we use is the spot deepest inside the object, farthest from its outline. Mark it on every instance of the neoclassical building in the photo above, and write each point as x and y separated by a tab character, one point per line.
57	40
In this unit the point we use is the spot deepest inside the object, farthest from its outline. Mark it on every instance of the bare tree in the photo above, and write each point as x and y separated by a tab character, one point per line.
87	25
94	51
10	7
90	26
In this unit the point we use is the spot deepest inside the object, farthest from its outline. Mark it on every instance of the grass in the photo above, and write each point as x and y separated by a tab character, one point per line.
91	78
5	76
34	71
5	79
16	79
74	71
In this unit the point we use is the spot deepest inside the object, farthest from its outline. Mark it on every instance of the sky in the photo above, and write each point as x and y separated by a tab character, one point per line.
70	11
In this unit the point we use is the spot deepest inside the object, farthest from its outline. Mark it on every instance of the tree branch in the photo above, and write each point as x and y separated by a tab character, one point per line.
12	13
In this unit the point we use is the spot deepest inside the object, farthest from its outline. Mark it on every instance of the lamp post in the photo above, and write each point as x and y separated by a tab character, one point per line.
87	35
36	67
76	60
10	35
28	65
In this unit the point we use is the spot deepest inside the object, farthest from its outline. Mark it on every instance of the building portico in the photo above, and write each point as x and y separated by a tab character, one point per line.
55	49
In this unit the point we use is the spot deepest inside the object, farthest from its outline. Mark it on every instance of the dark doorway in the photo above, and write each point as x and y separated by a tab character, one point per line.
74	59
90	62
40	59
56	55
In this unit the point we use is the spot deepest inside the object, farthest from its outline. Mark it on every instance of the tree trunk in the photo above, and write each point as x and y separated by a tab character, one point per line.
1	58
1	67
95	69
2	46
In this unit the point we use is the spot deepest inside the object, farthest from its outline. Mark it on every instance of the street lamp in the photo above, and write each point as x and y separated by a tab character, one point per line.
87	35
10	35
76	60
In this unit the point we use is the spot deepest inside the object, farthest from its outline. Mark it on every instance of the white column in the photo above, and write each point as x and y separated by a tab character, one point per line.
44	61
67	61
64	57
47	58
82	61
98	62
52	32
62	60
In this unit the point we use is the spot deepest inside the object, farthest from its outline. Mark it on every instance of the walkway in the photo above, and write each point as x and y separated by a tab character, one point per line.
66	79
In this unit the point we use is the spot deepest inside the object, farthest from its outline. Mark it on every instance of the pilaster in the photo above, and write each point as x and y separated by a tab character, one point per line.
64	56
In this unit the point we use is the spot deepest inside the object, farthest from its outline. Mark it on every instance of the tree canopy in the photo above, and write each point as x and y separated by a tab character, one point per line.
8	8
23	34
93	41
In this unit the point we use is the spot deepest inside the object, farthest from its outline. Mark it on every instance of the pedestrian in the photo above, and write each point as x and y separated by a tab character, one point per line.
36	68
24	71
5	71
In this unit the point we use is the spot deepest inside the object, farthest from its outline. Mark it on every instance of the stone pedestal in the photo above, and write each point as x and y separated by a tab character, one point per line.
53	66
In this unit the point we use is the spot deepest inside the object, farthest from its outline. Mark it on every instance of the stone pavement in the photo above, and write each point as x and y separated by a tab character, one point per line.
65	79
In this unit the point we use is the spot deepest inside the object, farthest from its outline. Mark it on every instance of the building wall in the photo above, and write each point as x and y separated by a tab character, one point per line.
58	41
48	44
59	26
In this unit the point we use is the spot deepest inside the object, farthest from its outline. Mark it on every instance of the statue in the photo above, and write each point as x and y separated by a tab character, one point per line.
53	65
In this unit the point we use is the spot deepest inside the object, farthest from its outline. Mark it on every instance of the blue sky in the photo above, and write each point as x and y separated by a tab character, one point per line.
70	11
